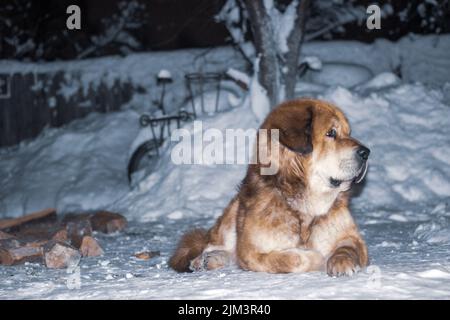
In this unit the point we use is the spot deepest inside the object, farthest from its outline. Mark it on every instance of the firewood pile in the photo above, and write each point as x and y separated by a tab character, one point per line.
57	242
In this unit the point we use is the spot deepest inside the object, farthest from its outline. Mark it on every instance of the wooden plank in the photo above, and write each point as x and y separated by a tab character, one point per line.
9	128
4	122
40	110
26	108
16	111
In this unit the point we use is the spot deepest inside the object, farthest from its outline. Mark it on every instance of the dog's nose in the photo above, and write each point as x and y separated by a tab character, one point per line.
363	152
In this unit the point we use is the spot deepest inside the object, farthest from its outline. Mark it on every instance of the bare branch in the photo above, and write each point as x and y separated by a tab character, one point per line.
239	47
236	26
326	29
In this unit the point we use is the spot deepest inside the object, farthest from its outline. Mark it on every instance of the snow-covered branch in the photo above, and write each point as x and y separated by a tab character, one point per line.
235	18
116	29
241	78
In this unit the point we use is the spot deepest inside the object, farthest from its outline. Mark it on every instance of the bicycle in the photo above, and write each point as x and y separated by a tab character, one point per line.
161	127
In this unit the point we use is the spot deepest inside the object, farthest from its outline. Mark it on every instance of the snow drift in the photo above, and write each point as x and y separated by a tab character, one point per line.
77	167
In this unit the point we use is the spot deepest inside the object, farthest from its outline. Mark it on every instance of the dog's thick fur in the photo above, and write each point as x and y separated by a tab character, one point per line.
298	219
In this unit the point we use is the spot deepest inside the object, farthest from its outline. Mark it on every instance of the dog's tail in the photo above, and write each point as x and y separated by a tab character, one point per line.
190	246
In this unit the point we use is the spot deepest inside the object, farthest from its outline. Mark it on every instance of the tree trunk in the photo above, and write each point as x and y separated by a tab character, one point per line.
263	37
295	42
276	70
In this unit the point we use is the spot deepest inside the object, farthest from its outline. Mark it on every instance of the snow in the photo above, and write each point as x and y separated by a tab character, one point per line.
402	207
138	70
259	101
425	59
406	271
282	23
384	120
395	130
435	231
239	76
236	22
382	80
419	58
285	25
340	74
312	62
164	74
77	167
434	273
167	183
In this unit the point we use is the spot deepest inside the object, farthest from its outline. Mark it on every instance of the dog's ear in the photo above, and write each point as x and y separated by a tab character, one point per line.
296	129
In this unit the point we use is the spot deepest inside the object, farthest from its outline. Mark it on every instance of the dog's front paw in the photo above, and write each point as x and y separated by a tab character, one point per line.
342	265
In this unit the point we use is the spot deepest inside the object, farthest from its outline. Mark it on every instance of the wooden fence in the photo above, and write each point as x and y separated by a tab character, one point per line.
32	101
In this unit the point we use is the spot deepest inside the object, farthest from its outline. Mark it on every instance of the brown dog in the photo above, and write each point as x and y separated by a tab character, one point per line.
298	219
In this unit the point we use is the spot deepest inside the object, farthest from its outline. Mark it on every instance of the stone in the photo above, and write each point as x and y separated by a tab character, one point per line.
146	255
58	255
90	247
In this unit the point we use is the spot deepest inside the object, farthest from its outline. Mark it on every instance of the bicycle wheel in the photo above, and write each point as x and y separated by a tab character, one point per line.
146	155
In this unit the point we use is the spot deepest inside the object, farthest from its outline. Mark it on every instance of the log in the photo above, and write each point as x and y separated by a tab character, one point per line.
101	221
38	216
14	252
10	243
76	230
4	235
90	247
58	255
20	255
75	217
59	244
108	222
38	232
61	235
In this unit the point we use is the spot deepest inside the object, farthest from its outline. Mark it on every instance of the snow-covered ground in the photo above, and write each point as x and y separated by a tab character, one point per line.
409	268
403	208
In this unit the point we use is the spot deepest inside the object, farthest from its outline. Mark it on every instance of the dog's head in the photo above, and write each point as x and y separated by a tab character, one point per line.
315	143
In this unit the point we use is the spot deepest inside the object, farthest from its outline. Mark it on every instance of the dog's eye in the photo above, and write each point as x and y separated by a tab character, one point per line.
331	133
